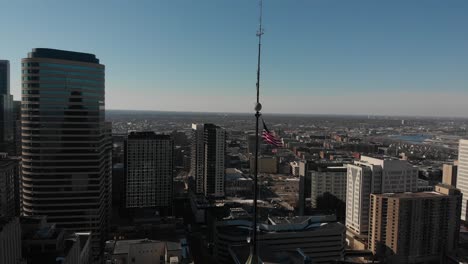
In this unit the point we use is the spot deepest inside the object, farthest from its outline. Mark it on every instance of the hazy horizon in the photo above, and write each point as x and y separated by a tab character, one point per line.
319	57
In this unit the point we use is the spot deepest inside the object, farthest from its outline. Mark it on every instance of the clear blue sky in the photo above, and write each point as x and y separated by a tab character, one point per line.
320	56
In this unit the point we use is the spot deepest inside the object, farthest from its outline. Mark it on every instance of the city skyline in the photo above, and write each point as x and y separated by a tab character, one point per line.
323	57
359	153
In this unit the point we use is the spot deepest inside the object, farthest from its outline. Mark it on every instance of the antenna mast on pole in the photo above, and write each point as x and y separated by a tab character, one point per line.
254	258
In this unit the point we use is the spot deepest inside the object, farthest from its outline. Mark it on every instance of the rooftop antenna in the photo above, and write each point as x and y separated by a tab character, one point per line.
253	257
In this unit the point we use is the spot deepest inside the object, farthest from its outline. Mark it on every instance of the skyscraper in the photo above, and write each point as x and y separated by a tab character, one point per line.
149	169
215	157
462	177
66	145
208	159
197	159
415	227
6	109
374	175
359	187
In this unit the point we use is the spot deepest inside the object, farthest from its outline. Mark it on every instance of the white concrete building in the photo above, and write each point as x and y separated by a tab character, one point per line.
330	180
462	176
397	175
374	175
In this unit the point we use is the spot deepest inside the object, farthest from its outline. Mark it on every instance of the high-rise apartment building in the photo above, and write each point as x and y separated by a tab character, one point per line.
208	159
197	159
462	176
359	187
415	227
6	109
215	157
374	175
149	170
305	169
328	181
66	144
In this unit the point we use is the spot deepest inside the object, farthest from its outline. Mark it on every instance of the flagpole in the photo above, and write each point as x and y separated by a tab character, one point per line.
253	258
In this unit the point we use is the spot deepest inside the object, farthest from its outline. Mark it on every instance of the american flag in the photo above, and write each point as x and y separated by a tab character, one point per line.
269	138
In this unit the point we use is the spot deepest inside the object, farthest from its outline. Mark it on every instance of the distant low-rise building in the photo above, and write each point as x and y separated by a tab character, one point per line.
266	164
9	186
145	251
283	234
43	242
238	184
294	168
10	240
424	186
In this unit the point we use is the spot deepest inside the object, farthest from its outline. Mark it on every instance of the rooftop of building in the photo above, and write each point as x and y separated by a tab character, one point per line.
123	246
409	195
277	220
205	126
330	168
444	190
237	227
120	247
238	213
145	135
233	174
379	156
288	220
241	253
63	55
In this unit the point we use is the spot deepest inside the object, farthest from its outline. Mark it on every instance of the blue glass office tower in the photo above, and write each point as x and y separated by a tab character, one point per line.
66	143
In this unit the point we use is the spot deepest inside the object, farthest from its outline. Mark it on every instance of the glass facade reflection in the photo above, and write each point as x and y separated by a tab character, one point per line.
66	143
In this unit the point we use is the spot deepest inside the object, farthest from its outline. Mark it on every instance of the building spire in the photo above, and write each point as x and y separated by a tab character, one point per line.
254	258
